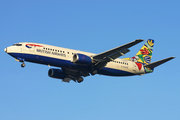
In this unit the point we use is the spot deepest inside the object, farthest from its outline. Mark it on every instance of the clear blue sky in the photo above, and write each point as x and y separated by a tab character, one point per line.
93	26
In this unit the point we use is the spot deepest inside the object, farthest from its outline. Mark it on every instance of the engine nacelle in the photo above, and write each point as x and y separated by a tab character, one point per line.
81	59
56	73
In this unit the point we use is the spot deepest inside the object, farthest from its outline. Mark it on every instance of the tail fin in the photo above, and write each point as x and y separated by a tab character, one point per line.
144	55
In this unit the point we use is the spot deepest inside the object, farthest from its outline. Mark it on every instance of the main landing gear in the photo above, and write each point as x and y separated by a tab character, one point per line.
23	65
80	79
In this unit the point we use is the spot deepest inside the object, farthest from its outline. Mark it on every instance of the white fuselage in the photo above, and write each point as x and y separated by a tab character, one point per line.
43	54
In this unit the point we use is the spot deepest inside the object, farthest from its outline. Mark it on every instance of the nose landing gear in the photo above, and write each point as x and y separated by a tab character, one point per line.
21	60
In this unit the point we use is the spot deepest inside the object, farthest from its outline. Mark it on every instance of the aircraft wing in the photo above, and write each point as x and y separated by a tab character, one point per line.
110	55
115	52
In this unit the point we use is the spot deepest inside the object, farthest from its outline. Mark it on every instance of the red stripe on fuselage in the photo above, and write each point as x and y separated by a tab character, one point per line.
34	45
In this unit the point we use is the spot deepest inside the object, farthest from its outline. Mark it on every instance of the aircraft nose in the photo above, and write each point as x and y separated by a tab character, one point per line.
5	49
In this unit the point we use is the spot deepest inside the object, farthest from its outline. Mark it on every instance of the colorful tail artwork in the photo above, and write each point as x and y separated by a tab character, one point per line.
144	55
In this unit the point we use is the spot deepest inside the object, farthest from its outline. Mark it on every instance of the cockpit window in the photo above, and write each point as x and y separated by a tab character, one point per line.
17	44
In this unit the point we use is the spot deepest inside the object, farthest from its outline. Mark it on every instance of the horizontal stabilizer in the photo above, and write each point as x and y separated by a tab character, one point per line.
157	63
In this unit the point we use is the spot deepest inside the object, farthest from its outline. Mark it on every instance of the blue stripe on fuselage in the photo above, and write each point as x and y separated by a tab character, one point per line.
67	64
49	61
114	72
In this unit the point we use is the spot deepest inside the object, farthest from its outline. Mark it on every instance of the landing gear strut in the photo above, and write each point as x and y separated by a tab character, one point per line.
23	65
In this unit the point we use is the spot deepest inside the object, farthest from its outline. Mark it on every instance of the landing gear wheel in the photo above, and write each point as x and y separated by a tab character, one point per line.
80	79
94	72
23	65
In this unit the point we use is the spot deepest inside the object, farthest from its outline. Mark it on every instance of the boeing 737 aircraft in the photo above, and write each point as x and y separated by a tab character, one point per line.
76	64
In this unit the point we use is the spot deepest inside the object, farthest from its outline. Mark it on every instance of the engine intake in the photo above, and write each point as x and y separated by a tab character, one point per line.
81	59
56	73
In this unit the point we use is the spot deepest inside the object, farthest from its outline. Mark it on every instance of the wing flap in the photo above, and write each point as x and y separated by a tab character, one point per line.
104	61
116	55
115	50
120	53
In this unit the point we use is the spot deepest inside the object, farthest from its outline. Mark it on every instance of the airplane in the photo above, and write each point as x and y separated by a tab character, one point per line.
77	64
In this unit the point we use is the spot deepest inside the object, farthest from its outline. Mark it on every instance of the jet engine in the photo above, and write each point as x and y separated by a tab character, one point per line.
56	73
81	59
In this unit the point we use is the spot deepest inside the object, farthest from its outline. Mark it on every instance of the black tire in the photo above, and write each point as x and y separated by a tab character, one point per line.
23	65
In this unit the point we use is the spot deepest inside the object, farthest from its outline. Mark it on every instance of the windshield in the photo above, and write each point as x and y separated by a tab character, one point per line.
17	44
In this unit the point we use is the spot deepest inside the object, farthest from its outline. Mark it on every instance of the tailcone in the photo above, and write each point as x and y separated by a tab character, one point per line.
148	70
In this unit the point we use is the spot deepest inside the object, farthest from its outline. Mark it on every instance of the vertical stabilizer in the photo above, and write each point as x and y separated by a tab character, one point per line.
144	55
